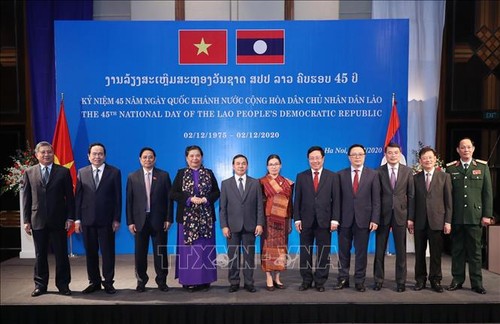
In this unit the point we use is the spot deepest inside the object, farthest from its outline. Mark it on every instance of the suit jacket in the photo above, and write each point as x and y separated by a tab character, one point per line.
48	205
181	197
160	203
102	206
435	205
472	192
241	213
364	206
401	199
322	205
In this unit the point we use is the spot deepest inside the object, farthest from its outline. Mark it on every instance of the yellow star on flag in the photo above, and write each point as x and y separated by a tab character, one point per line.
202	47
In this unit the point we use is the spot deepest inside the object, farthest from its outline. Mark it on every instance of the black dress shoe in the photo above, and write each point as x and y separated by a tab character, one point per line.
65	291
140	288
38	292
320	288
250	288
163	287
91	288
479	290
278	286
341	284
234	288
109	289
419	285
360	287
304	286
378	286
400	287
436	286
454	286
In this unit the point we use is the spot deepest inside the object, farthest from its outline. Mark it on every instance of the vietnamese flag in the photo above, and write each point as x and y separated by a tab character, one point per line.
260	46
63	154
202	47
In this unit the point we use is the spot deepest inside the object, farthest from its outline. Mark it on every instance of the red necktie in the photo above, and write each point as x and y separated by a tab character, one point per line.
428	181
316	181
355	183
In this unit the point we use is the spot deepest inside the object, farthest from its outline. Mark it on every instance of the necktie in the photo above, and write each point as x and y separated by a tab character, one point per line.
355	183
428	181
466	165
96	178
393	178
45	176
316	181
240	187
148	191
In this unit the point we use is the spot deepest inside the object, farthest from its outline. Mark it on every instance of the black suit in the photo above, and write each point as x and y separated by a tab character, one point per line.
151	224
432	210
397	206
47	208
357	212
315	210
241	215
97	209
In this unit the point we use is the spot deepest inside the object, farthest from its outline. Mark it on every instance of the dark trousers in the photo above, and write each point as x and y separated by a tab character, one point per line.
382	236
160	257
466	247
358	236
42	239
103	238
241	243
323	241
435	239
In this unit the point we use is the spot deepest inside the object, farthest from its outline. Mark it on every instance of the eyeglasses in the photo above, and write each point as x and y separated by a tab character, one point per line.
315	158
357	154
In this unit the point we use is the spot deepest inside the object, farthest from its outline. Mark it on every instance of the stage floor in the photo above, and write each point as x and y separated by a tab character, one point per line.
17	284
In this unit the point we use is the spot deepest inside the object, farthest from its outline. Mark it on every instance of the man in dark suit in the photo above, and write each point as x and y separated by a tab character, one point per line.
433	208
241	219
316	215
98	214
149	215
48	210
472	209
360	214
398	191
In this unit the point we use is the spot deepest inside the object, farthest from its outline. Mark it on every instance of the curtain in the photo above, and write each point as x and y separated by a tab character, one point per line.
40	17
426	36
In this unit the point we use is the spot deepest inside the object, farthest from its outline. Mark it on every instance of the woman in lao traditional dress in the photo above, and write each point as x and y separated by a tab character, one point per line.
195	190
277	195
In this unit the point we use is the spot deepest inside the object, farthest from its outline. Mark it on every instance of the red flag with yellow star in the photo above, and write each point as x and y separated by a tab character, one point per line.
63	153
202	47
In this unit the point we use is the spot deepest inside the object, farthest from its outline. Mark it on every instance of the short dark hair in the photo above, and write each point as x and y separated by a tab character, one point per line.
426	149
353	146
465	138
240	156
97	144
273	156
394	145
315	148
147	149
192	148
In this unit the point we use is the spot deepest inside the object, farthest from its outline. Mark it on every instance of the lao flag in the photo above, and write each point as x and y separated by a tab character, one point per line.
63	154
202	47
393	135
260	46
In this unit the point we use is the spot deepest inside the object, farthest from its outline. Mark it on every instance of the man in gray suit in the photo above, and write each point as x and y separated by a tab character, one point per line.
433	208
48	205
316	215
242	220
149	215
398	191
98	215
360	214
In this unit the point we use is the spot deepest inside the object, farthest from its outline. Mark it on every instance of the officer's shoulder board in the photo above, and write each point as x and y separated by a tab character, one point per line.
455	163
481	161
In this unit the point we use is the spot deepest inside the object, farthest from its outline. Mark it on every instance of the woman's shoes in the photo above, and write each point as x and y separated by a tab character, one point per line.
270	288
278	286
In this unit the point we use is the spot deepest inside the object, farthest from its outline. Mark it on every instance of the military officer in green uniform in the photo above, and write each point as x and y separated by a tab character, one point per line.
472	209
